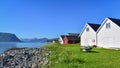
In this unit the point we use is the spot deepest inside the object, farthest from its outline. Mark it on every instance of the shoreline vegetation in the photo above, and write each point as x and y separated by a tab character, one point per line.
59	56
71	56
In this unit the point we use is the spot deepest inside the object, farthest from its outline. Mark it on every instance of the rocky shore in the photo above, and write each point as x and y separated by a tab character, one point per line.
24	58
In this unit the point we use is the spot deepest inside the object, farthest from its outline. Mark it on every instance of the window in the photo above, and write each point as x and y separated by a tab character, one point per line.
107	25
87	29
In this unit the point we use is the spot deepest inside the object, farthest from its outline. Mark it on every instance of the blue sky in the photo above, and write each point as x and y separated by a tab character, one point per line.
52	18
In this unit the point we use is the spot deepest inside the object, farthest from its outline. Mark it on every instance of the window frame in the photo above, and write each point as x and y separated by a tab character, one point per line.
87	29
107	25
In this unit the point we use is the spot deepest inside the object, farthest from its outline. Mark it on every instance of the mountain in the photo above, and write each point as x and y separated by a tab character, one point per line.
35	40
8	37
53	39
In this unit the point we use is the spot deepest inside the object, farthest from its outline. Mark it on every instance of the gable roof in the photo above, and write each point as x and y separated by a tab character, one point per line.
94	26
116	21
73	38
73	34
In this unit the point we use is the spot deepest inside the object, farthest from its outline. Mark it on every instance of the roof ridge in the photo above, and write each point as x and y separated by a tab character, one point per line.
113	18
94	23
94	26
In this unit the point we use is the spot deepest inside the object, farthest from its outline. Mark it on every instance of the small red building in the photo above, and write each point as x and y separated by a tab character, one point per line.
65	40
70	39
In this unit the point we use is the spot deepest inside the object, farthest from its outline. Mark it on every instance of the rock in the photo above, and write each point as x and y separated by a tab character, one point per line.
24	58
47	54
46	62
34	65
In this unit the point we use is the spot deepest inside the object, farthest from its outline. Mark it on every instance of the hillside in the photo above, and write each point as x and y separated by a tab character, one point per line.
8	37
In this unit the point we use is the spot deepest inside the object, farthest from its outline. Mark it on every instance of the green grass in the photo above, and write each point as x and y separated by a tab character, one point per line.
70	56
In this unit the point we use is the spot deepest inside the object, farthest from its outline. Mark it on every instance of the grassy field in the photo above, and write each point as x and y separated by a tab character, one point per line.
70	56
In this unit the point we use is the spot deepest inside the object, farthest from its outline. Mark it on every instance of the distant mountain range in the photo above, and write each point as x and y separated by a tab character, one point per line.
34	40
53	39
8	37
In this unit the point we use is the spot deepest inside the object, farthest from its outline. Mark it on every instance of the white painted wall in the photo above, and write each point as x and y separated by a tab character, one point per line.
88	37
60	40
109	38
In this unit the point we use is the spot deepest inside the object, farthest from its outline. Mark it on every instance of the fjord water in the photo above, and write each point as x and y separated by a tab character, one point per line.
6	45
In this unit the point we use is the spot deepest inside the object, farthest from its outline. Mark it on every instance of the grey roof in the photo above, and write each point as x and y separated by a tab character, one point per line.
72	37
94	26
116	21
73	34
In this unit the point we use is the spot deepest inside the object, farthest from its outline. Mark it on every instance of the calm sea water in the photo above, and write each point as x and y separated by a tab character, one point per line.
6	45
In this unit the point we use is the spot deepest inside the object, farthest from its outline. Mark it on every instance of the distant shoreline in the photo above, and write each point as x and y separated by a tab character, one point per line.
9	45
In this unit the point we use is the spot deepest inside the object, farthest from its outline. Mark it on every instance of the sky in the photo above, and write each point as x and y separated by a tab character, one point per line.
52	18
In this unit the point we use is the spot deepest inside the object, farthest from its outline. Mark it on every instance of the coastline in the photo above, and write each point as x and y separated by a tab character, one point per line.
24	57
8	45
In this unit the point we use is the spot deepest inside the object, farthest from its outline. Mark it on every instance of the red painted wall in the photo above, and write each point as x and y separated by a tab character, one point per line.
65	40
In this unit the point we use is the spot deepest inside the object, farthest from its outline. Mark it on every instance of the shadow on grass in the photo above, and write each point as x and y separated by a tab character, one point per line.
92	52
